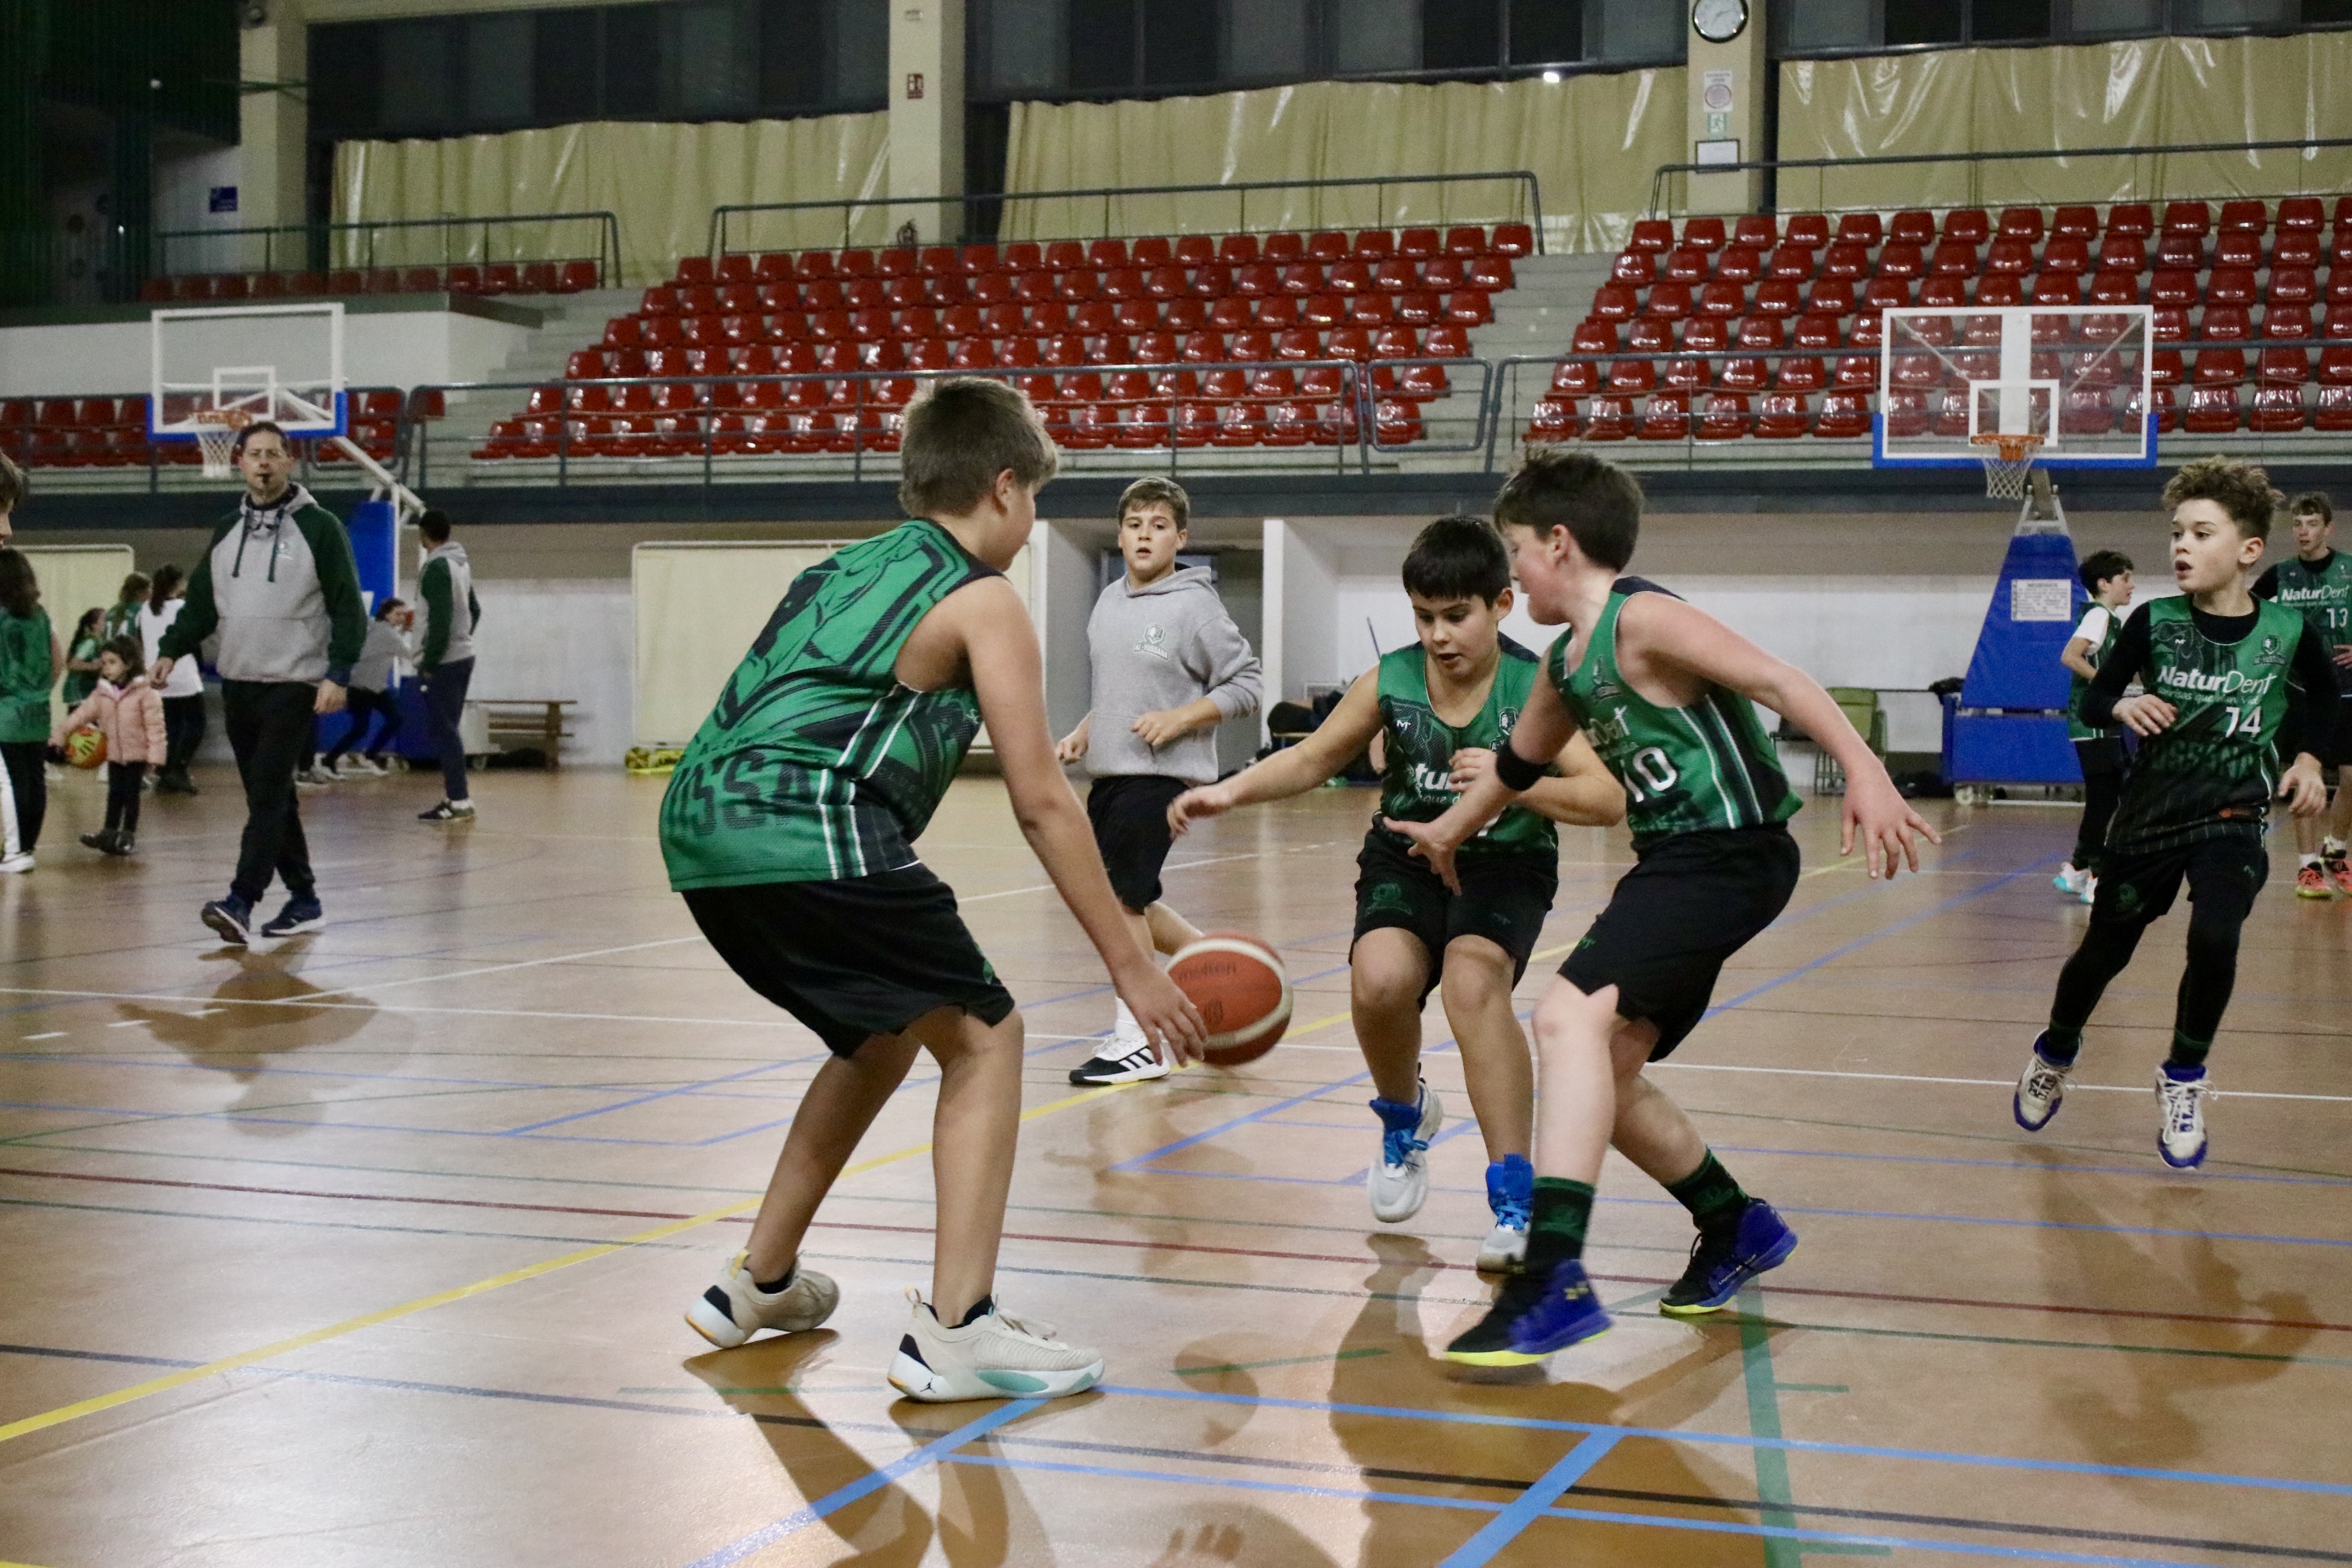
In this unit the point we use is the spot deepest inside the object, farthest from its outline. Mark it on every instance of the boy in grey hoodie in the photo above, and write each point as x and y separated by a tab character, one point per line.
1170	665
281	588
445	665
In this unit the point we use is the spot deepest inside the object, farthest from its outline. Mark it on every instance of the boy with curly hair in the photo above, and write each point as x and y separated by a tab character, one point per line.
2230	684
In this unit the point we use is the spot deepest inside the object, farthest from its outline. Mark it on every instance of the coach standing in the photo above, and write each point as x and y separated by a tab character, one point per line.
445	665
280	587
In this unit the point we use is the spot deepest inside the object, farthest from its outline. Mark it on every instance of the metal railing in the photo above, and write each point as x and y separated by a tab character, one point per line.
1659	186
18	441
1524	206
521	237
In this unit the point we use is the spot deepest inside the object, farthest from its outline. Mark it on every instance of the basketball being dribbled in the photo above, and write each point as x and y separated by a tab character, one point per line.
1241	990
86	747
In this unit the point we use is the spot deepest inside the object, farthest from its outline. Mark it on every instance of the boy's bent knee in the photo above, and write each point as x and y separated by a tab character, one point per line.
1476	970
1568	1014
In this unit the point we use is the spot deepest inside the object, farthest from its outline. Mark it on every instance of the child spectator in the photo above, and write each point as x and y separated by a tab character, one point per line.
81	655
122	618
130	714
183	690
29	661
371	697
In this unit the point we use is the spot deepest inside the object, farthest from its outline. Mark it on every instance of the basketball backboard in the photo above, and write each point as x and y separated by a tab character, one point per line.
2069	387
281	362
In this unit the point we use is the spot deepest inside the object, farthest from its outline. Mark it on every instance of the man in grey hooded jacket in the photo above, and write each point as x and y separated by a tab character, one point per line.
445	665
1170	665
280	587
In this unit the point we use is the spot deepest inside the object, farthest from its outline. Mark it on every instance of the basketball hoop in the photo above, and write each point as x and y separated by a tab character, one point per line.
2007	459
217	433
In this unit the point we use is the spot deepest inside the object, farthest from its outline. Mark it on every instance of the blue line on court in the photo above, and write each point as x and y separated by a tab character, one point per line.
872	1481
665	1093
1730	1439
1505	1527
1828	1538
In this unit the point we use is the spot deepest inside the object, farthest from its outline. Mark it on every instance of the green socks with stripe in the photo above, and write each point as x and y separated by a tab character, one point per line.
1556	1222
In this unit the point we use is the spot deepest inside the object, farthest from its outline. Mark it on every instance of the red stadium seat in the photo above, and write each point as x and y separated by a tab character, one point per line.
1785	415
2131	219
2211	410
1665	418
1791	262
1844	415
1653	235
1553	419
2021	224
1740	264
1513	240
1860	228
2235	247
1685	264
1913	228
1846	259
1901	260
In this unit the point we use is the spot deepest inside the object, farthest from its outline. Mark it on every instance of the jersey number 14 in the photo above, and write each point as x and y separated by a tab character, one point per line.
2241	722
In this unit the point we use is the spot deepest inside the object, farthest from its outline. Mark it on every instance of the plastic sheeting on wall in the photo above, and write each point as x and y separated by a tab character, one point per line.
2134	92
663	180
1591	140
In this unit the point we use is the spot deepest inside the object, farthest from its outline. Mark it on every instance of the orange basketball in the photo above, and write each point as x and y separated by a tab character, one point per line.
1241	990
86	747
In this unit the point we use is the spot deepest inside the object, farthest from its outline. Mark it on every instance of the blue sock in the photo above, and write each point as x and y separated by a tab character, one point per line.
1511	1181
2180	1073
1399	1115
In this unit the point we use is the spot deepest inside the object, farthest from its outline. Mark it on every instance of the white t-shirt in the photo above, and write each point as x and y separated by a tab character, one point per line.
2093	628
187	680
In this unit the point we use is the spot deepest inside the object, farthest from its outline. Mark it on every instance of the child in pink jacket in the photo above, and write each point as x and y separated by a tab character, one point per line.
130	714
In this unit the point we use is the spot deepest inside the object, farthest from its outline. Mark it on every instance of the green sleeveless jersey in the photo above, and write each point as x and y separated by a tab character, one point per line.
1686	770
2212	772
2322	596
1421	747
2076	729
817	764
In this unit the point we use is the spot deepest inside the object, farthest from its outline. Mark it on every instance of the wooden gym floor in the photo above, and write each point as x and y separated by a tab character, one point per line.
371	1248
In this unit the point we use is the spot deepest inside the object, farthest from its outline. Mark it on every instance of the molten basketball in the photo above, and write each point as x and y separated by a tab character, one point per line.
1243	995
86	747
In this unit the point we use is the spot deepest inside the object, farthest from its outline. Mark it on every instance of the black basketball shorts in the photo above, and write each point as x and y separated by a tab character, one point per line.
2223	873
1130	814
853	959
1504	899
1688	904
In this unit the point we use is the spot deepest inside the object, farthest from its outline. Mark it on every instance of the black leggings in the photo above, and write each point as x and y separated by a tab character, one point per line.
365	707
2224	875
122	780
30	785
184	732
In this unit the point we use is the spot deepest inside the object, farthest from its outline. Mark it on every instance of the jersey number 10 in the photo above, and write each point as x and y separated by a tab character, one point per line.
1650	773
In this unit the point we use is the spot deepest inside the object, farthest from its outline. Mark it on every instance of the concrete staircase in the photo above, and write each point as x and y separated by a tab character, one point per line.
569	322
1537	316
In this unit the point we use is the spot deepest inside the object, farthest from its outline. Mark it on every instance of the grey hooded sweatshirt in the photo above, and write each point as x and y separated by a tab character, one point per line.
451	611
1159	646
279	586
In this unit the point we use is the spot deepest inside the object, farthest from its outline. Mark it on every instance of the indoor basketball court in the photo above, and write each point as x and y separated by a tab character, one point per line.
376	1242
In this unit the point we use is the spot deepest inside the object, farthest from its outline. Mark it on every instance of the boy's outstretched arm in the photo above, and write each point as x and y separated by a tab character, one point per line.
1347	730
1666	631
1008	676
1584	794
1543	732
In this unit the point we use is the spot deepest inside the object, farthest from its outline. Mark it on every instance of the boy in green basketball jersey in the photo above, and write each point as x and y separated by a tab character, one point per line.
789	826
2318	583
1445	705
2107	576
1667	695
2232	684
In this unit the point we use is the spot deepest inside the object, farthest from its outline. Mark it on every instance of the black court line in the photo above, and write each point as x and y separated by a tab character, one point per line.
1244	1461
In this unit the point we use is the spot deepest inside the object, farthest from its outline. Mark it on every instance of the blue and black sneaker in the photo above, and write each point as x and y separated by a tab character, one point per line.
1725	1257
232	917
300	914
1533	1316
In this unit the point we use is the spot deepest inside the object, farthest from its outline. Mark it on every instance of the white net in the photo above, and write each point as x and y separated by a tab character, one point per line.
217	433
2007	460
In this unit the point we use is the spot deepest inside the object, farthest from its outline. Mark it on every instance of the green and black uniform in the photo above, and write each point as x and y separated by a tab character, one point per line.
2320	591
1509	871
790	823
1709	808
2098	749
2248	691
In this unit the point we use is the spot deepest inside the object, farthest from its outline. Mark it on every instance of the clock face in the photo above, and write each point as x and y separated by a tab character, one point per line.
1719	21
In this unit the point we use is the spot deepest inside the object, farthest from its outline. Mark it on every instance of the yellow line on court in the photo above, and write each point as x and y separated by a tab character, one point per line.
180	1379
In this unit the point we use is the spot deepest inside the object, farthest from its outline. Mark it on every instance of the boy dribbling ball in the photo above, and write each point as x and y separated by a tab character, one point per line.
2231	683
2107	576
1666	693
1170	665
1445	705
789	826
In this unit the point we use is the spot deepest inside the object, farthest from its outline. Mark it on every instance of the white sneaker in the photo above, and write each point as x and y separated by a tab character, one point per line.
2069	879
16	865
1504	1250
735	1309
994	1356
314	777
2039	1089
1399	1179
2090	894
355	766
2180	1138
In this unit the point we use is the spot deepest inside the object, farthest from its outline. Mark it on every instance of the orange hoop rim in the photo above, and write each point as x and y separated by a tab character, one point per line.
232	418
2014	448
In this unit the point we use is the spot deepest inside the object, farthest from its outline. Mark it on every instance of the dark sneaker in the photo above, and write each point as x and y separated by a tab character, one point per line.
122	841
1121	1062
299	915
1724	1259
449	811
232	917
1532	1317
99	841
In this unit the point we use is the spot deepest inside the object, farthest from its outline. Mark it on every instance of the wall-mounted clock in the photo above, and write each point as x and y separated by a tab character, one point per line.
1719	21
